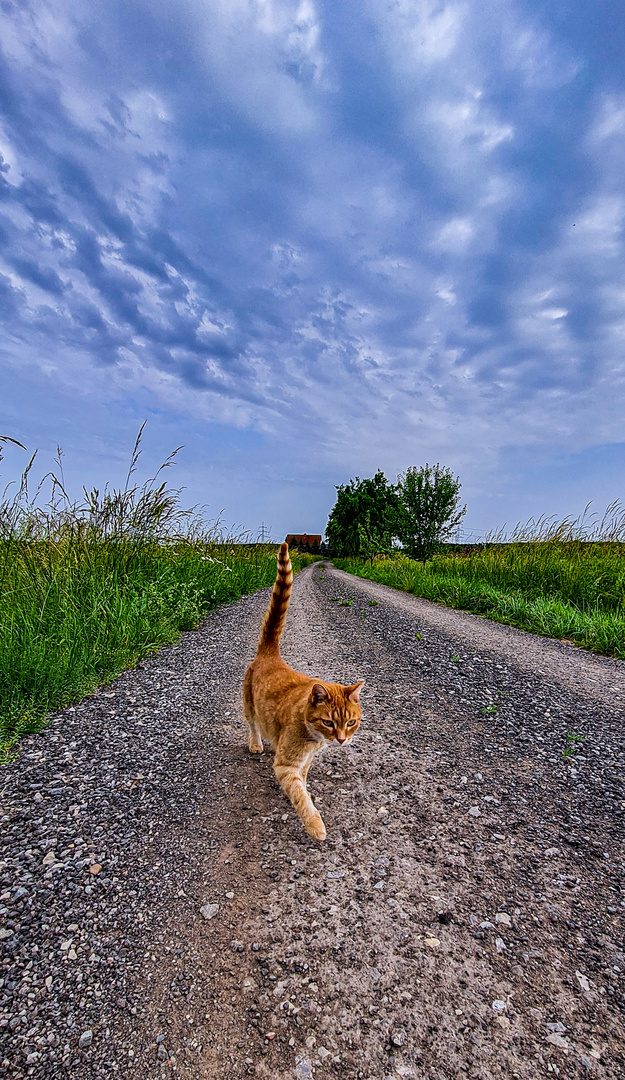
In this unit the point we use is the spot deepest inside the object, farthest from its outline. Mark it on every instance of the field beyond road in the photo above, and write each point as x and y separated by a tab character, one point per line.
574	591
166	915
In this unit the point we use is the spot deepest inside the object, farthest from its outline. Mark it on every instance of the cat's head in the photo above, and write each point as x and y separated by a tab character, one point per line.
334	711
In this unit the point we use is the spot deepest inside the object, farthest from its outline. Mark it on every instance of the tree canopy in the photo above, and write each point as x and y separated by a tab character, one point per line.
429	502
363	515
420	512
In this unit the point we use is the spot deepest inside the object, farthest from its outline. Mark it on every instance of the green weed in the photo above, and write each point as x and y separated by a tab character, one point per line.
571	745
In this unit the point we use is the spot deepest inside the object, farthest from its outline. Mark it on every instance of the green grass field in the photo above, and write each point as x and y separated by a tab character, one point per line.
87	590
571	590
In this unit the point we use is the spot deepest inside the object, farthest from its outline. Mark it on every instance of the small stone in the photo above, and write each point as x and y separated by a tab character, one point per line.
95	868
32	1058
551	851
583	981
500	945
4	934
209	911
49	859
382	812
432	942
229	896
160	1039
161	1052
474	811
559	1040
379	885
486	925
503	1022
398	1037
336	873
302	1070
270	1035
503	917
322	1053
85	1039
498	1006
310	1041
558	1026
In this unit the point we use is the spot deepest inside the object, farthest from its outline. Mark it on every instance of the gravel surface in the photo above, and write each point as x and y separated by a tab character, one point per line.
163	913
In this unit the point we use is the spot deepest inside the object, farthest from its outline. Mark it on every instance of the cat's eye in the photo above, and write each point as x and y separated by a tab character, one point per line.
328	723
350	723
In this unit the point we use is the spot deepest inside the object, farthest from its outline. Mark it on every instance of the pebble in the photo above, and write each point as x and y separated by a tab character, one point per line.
474	811
383	812
558	1040
498	1006
85	1039
432	942
398	1037
504	918
209	911
303	1070
583	981
500	945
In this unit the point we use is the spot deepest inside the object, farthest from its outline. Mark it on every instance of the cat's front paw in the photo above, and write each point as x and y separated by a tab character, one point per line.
255	748
316	828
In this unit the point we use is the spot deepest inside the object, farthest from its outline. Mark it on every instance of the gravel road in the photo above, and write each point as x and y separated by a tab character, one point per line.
163	913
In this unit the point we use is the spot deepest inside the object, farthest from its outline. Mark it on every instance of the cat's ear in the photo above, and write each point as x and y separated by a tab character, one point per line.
353	692
318	694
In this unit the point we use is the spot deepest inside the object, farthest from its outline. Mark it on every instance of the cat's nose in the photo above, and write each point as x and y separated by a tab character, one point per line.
340	739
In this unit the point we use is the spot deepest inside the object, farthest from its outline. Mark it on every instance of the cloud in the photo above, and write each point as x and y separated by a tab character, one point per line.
398	234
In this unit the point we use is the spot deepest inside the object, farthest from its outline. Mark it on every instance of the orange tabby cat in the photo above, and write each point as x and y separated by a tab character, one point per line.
296	714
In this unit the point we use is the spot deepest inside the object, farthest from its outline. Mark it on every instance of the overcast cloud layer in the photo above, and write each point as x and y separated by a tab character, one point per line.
311	239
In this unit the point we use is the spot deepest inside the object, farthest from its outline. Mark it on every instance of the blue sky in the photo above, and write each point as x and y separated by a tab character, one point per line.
309	240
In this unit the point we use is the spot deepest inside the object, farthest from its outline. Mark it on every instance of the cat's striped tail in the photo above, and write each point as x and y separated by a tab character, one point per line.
273	623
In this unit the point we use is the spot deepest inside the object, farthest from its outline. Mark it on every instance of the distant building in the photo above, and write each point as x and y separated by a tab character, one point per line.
305	542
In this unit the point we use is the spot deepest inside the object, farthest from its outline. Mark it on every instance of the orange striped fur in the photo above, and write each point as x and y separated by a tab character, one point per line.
275	616
296	714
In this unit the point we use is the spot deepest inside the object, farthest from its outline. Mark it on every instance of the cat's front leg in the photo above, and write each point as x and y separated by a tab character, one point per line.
293	785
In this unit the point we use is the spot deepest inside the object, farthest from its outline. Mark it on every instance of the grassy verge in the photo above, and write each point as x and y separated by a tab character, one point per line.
88	590
567	590
73	616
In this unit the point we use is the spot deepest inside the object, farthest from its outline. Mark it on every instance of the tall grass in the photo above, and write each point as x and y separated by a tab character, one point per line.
560	579
88	588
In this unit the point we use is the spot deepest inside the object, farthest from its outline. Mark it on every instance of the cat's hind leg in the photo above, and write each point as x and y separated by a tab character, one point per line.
255	742
294	786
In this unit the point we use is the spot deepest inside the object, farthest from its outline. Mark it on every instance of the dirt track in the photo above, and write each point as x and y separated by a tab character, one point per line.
464	917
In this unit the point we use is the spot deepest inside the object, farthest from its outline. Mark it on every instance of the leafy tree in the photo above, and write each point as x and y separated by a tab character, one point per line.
364	513
375	538
429	508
